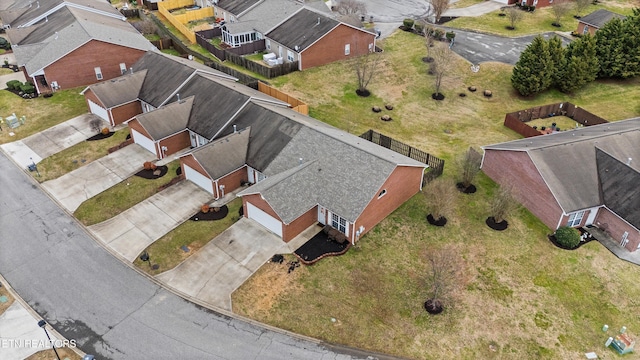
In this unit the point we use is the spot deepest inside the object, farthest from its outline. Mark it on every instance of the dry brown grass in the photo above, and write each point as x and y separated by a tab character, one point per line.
65	353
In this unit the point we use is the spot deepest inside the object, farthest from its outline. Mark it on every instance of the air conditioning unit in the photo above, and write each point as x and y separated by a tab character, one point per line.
267	57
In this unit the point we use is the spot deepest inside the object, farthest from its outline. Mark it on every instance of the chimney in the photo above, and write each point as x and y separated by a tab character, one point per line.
629	161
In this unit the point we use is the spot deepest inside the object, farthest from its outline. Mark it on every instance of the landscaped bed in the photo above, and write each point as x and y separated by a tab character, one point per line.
518	296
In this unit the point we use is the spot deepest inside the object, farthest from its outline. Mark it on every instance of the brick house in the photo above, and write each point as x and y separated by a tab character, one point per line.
313	39
585	176
591	23
64	44
149	84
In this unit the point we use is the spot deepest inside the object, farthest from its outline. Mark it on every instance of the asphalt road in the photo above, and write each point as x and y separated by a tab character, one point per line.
111	310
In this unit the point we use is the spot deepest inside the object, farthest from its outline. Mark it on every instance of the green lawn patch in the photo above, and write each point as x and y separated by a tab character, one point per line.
42	113
77	156
519	296
166	251
121	197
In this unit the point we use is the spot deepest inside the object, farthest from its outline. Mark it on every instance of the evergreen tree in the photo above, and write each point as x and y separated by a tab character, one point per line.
618	47
581	64
531	73
557	53
631	45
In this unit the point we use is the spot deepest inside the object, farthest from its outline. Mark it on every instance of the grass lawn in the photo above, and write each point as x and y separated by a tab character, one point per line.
121	197
464	3
166	251
41	113
518	295
76	156
533	22
256	57
562	122
5	71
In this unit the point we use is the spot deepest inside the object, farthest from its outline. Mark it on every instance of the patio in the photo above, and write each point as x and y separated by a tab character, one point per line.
613	246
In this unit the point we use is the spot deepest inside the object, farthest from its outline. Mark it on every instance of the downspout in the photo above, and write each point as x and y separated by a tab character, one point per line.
33	80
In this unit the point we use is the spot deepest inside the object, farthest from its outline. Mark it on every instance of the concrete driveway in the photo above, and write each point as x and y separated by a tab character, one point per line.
138	227
74	188
17	324
221	266
52	140
478	48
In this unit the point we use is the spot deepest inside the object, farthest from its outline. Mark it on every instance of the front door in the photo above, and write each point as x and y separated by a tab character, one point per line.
322	217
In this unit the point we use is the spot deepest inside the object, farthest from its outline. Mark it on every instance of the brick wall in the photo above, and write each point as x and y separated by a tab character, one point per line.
581	25
232	181
331	47
176	142
300	224
125	112
615	227
515	169
403	183
77	67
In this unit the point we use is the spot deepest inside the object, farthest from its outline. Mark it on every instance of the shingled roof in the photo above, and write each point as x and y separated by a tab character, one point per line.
567	160
600	17
619	186
168	120
302	29
225	155
119	91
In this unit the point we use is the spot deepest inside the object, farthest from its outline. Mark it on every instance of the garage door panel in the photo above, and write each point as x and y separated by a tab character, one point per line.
198	179
99	110
272	224
143	141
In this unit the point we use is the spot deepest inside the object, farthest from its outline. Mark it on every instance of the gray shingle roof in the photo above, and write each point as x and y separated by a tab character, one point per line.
600	17
339	171
66	30
567	160
619	187
269	13
120	90
237	7
24	12
167	120
222	156
302	29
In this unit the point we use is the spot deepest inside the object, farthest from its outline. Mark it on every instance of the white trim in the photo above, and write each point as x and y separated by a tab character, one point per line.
264	219
197	178
140	139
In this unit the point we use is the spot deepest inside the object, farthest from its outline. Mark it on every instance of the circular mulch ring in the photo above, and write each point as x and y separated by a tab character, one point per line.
441	221
556	25
466	190
385	118
211	214
499	226
472	88
376	109
438	96
179	171
148	174
510	27
502	14
101	136
462	94
433	307
388	107
427	59
363	93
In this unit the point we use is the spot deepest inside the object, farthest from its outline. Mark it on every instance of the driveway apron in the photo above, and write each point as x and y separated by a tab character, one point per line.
74	188
227	261
138	227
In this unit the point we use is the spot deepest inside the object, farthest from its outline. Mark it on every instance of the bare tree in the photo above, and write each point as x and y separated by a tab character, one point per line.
145	27
351	7
581	5
366	66
560	8
469	167
439	7
429	41
440	195
441	66
502	204
96	125
441	278
514	15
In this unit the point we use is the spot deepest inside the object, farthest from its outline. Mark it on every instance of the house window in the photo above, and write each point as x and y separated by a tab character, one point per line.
586	30
382	193
339	223
576	218
347	49
268	44
289	55
371	47
98	73
260	176
123	68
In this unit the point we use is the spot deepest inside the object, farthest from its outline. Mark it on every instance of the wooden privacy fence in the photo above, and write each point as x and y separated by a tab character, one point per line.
164	8
517	120
436	165
296	104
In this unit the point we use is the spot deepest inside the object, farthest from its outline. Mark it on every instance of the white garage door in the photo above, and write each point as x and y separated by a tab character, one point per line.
264	219
198	179
143	141
99	110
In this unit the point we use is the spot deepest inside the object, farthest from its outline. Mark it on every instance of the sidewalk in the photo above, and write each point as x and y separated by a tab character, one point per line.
474	10
20	335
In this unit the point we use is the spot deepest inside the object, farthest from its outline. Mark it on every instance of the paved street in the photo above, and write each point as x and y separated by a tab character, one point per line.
111	310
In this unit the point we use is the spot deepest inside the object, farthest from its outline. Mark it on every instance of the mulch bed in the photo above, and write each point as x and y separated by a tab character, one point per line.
101	136
466	190
211	215
319	247
553	240
148	174
499	226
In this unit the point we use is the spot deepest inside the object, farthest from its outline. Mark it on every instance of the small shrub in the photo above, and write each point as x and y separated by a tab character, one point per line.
104	131
438	34
27	88
451	35
205	208
418	27
153	166
147	165
408	24
568	237
14	84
